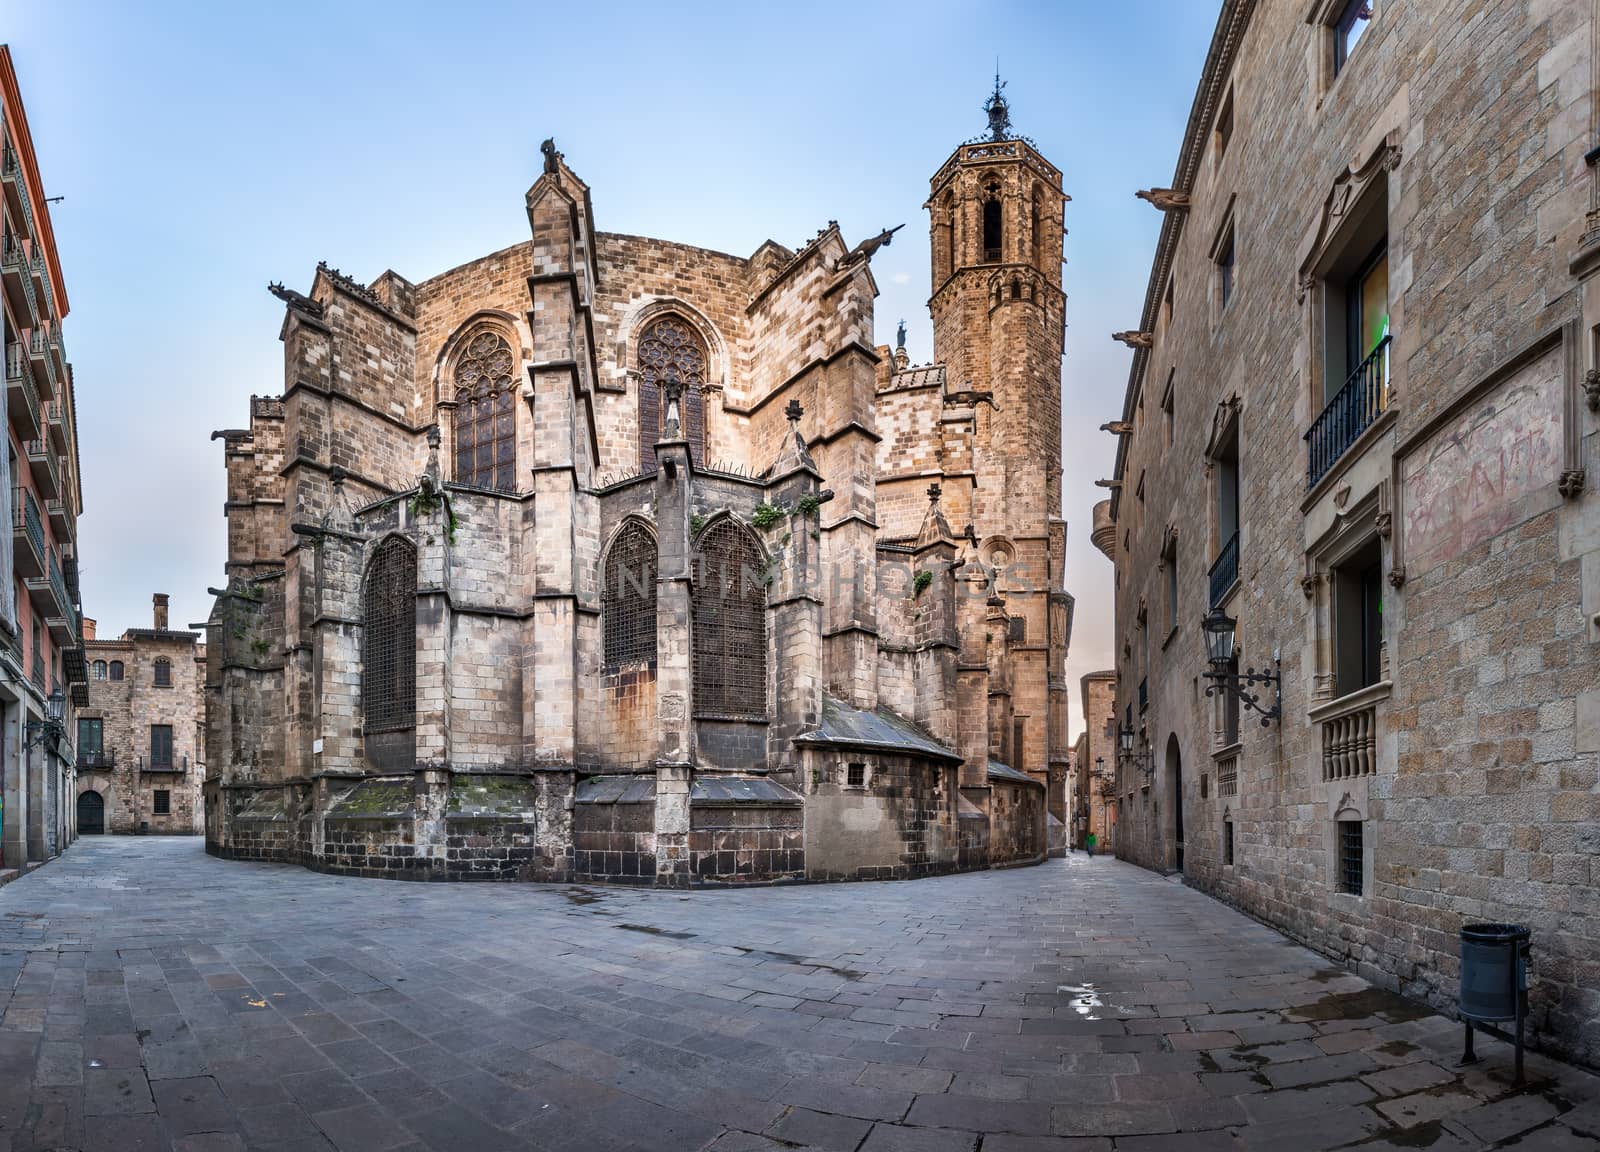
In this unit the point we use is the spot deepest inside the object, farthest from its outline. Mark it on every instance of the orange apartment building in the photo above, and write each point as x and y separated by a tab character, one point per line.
42	675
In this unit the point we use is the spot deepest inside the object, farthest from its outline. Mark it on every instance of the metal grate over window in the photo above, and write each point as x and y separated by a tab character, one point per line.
163	670
628	598
670	352
730	625
389	643
1228	776
1227	842
486	423
1350	852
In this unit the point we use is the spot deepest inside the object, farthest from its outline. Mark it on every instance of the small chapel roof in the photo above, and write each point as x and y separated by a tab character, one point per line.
850	727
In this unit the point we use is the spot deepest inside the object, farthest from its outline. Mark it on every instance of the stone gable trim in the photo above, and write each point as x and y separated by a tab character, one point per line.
800	257
317	466
359	292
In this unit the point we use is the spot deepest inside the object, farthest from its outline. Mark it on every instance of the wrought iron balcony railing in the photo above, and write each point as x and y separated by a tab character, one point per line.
96	761
1225	570
1364	397
25	522
25	398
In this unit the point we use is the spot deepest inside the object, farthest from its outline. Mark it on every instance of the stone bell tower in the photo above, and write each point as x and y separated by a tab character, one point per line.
999	315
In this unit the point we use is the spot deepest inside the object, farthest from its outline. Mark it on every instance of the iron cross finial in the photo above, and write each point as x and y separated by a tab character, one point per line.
794	411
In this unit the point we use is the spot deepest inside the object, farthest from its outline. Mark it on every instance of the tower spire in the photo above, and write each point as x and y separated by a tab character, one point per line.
997	108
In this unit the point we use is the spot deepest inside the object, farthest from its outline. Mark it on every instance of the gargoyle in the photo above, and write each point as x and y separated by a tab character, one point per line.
1165	199
1135	339
972	397
296	300
551	156
864	251
1117	427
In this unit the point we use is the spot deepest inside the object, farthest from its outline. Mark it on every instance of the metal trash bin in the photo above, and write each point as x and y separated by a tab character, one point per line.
1494	983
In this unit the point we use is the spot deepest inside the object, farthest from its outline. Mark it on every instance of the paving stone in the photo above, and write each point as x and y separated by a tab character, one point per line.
398	1019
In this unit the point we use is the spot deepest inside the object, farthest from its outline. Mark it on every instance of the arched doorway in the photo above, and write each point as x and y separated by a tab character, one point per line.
91	814
1175	777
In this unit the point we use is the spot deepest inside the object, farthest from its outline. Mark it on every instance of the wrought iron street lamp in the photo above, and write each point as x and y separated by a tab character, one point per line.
1141	759
1219	629
48	730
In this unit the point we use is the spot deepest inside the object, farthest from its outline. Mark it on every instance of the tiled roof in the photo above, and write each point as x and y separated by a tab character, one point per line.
853	728
718	790
640	789
999	771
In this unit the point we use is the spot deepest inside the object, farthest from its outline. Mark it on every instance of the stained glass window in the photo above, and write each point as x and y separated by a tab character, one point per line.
670	352
486	423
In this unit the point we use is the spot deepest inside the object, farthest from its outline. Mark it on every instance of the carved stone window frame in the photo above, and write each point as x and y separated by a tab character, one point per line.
1323	16
1224	244
450	389
1348	205
1355	527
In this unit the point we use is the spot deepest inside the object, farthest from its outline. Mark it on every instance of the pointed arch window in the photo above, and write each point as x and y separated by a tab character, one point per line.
991	224
389	641
1037	230
628	599
730	624
486	423
671	352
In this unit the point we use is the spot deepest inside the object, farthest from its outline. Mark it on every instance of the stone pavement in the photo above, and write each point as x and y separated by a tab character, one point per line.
155	998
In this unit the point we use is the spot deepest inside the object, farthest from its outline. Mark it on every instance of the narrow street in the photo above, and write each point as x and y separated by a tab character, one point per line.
156	998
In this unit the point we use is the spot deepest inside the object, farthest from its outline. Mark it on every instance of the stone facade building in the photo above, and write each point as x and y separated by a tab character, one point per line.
1094	763
42	675
607	557
141	760
1359	422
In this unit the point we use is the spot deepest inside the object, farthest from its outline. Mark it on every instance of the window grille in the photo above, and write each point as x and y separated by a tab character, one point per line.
1228	776
730	625
163	802
486	422
628	598
670	352
99	669
116	670
163	672
389	645
856	776
1351	870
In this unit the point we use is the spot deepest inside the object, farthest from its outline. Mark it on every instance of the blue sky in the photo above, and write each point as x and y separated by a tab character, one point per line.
205	148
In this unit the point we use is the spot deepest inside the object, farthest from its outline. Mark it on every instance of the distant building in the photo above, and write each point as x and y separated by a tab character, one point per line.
1360	425
609	557
1095	763
42	674
141	761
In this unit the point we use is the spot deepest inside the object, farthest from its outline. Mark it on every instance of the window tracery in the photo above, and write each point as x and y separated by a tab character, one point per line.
486	424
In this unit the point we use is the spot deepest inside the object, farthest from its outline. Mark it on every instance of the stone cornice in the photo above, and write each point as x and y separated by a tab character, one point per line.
1232	22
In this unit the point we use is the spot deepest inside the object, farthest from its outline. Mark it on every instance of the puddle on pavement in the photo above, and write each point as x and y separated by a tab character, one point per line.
652	930
1087	1002
581	896
1424	1135
791	958
1397	1048
1358	1006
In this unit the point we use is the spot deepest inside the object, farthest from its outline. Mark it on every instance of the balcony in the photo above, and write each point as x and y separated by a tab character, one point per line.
74	666
177	765
18	284
1350	732
46	473
96	761
41	278
22	400
61	519
1225	570
16	190
1364	397
44	372
55	419
63	622
58	349
27	534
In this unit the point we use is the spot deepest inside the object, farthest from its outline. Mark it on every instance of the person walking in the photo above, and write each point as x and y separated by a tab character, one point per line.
1088	845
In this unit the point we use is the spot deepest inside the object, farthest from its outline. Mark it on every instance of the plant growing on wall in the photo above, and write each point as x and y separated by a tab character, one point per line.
766	515
921	581
425	503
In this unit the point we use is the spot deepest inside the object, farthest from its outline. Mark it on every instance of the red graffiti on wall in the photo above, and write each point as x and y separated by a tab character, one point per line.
1487	472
